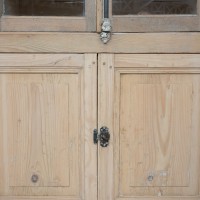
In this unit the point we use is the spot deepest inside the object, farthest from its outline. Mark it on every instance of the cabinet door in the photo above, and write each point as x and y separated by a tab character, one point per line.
151	105
48	15
47	114
155	15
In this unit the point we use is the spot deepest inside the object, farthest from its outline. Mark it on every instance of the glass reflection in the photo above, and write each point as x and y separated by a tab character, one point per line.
154	7
44	7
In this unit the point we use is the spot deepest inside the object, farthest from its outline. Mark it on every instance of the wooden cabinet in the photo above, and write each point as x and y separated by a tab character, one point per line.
50	104
47	112
59	82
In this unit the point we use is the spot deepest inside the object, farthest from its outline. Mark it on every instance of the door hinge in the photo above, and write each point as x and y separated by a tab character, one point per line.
103	136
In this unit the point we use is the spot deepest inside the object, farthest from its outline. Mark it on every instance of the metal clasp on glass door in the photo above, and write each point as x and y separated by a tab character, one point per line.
106	27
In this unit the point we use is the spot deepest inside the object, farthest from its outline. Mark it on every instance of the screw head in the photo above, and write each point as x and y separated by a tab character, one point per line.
150	178
34	178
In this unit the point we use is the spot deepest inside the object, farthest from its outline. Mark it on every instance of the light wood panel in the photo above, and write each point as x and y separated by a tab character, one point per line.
156	61
157	136
153	112
155	23
39	133
36	197
38	129
90	43
10	23
99	15
163	198
45	129
89	101
105	118
33	61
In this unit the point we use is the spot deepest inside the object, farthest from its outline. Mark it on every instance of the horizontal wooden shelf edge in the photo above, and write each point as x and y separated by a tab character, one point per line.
158	198
36	197
54	42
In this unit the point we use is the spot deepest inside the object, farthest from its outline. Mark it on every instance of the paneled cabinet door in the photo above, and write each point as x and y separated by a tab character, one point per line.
47	113
151	104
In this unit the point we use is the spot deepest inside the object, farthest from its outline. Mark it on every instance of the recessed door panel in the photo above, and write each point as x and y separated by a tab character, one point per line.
156	133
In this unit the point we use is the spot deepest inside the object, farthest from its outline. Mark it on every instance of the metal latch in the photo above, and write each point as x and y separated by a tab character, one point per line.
106	28
103	136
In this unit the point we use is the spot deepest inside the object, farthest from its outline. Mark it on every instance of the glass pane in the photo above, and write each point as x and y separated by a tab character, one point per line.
44	7
154	7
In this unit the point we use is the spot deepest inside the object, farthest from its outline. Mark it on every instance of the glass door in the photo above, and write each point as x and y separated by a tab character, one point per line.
155	15
81	15
48	15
